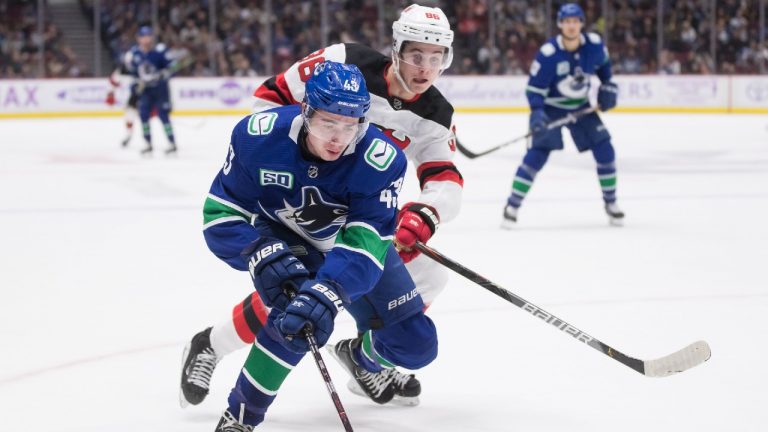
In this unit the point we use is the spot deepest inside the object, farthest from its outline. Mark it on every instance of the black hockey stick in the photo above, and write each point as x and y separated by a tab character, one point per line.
327	378
688	357
290	290
568	119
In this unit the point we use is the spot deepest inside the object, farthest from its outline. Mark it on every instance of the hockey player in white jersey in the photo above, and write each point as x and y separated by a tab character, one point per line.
415	115
121	76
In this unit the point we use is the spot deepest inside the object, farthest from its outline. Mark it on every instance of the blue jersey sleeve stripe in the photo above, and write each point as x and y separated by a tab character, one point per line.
363	252
233	206
369	228
537	90
222	220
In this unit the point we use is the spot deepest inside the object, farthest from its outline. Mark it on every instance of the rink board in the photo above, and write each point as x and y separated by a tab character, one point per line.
469	94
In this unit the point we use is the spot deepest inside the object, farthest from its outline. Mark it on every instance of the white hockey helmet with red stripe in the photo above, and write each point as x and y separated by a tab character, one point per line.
423	24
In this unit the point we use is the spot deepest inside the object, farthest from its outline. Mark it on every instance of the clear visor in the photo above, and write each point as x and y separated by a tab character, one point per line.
431	61
335	128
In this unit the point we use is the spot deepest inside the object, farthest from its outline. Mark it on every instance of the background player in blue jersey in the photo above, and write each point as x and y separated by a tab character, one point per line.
153	66
559	84
306	202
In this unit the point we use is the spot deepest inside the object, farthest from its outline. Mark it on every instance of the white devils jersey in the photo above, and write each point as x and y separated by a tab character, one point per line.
422	127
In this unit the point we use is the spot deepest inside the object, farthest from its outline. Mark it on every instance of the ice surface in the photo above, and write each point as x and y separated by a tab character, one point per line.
105	275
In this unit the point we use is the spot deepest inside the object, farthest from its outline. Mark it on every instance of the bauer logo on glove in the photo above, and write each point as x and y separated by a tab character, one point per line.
263	253
330	294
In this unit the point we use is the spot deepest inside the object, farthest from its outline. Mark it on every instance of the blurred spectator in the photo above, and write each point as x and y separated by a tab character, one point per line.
503	40
669	64
20	42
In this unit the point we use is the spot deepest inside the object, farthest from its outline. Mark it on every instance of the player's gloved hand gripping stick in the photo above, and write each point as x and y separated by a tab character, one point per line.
313	346
415	221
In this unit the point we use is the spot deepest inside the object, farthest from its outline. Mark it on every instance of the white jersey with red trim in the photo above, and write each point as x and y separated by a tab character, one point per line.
422	127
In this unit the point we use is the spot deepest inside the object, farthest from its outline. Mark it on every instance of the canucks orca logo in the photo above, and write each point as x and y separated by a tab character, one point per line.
574	86
579	79
146	71
314	218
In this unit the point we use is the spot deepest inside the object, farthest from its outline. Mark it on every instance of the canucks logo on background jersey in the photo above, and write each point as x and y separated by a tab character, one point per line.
314	218
575	86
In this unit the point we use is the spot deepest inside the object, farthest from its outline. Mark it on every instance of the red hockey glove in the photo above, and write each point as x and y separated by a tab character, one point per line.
110	98
415	221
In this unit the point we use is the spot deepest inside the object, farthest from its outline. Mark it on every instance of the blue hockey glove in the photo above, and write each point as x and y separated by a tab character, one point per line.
315	306
607	95
274	270
539	121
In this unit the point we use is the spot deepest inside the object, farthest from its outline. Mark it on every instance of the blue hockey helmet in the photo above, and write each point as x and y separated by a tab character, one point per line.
569	10
144	31
338	88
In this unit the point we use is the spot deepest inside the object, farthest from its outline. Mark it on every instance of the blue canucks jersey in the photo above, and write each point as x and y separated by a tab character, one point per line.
561	79
345	208
147	66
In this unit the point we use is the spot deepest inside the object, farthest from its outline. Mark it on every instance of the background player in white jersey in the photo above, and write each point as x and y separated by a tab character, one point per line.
559	84
410	111
121	76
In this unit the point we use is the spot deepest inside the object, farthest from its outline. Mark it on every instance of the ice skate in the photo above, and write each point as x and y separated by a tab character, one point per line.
407	388
147	151
198	362
615	215
171	150
228	423
377	386
509	219
124	143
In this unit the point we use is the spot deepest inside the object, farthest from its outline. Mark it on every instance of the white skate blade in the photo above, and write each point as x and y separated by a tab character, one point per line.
405	401
332	351
507	224
617	222
182	400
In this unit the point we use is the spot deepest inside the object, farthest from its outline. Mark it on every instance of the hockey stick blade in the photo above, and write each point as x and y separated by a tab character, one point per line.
569	118
688	357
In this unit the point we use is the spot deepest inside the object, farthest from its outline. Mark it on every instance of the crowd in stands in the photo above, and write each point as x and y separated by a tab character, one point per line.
687	37
498	41
20	43
630	27
237	44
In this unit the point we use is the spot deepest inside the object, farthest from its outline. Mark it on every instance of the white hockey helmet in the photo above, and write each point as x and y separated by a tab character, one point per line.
423	24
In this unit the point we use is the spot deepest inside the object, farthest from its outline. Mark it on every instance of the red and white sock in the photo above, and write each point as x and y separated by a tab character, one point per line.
240	329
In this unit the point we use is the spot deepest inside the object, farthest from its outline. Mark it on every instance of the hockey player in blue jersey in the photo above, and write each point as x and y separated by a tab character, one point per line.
306	202
559	84
153	66
412	112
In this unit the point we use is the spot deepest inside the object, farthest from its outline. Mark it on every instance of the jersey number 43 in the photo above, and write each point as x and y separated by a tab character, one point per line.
389	195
